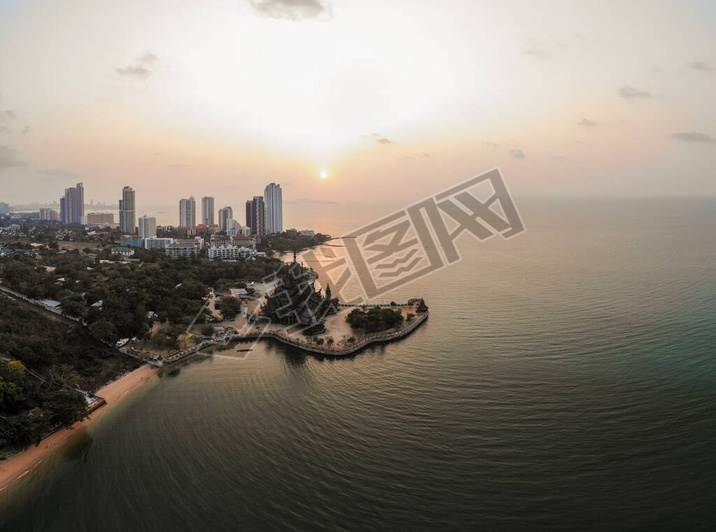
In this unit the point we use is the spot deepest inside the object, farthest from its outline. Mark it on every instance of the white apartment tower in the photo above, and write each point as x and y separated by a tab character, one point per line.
187	213
274	208
147	226
207	210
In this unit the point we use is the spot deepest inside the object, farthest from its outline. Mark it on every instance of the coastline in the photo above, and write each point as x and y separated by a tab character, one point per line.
18	466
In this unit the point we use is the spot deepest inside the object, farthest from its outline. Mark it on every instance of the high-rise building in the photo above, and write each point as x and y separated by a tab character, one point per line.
207	210
258	217
127	211
72	205
274	208
48	215
225	214
187	213
249	213
147	226
78	204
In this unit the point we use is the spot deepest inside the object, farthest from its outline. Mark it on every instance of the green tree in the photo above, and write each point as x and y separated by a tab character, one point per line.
104	330
10	393
66	406
229	307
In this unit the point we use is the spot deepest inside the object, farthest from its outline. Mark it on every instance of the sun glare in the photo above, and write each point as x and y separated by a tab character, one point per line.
324	174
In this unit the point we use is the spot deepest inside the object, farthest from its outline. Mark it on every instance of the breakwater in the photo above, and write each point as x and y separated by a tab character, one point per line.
346	350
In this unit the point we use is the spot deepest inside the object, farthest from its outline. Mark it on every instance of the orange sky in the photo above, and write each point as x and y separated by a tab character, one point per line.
393	100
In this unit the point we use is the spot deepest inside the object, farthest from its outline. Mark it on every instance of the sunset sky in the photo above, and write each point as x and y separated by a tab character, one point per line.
393	99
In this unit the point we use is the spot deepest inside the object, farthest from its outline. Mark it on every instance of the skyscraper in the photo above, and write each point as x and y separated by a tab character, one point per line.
249	214
207	210
127	211
79	206
274	208
258	217
72	205
225	214
147	226
48	215
187	213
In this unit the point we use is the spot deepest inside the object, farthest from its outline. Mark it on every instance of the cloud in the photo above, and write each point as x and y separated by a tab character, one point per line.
559	158
587	123
518	154
538	54
291	9
698	65
136	71
9	158
4	129
385	141
26	130
630	93
693	136
148	58
4	115
537	49
492	145
423	155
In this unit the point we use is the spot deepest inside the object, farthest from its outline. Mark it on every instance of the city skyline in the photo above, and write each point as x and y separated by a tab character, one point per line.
72	211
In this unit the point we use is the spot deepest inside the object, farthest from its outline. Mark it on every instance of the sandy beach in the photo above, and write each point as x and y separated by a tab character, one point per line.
22	463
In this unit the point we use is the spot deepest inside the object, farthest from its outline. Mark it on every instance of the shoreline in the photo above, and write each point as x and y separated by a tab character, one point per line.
21	464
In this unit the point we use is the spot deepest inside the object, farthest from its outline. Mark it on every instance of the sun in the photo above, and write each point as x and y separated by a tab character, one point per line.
323	174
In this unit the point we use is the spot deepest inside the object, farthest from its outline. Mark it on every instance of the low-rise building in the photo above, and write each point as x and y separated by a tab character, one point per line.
124	251
197	241
230	252
157	243
184	248
100	218
131	241
221	240
245	241
224	252
206	229
177	250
